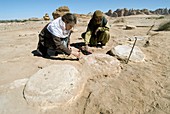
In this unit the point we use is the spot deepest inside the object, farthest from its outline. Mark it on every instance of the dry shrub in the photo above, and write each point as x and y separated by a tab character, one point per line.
164	27
15	20
161	17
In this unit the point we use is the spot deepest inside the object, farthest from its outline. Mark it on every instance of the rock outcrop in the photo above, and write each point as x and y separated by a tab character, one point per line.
60	11
46	17
54	85
126	12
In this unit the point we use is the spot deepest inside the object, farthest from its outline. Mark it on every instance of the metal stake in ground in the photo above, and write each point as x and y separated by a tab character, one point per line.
131	50
150	29
147	42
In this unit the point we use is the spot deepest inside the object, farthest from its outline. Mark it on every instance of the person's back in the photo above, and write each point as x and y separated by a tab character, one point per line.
56	36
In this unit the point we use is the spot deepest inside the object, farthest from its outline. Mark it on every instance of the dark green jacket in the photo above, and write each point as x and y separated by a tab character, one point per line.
92	26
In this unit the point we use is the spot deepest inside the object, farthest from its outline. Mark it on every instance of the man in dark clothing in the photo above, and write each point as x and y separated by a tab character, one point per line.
97	30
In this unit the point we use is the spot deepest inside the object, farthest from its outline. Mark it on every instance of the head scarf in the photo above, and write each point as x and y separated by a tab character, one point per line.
97	13
97	17
58	28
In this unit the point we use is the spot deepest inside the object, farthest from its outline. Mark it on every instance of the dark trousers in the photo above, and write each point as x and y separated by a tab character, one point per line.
42	49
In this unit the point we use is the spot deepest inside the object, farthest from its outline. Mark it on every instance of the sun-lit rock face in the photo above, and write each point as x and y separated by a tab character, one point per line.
60	11
128	12
46	17
55	85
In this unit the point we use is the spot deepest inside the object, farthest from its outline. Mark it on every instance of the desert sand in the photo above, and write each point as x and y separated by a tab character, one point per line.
138	88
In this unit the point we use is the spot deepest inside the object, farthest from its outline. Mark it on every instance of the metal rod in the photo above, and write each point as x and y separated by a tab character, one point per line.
131	50
150	29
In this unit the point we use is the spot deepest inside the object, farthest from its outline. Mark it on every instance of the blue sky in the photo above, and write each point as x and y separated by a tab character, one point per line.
24	9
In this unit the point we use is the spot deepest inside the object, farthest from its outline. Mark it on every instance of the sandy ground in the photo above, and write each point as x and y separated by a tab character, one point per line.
140	88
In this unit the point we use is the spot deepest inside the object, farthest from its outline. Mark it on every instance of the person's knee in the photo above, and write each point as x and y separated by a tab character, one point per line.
93	41
105	37
83	35
106	33
88	33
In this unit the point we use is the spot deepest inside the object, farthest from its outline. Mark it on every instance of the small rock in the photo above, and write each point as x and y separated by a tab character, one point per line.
130	27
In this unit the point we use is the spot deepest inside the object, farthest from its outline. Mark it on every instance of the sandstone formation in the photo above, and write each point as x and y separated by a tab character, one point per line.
126	12
46	17
60	11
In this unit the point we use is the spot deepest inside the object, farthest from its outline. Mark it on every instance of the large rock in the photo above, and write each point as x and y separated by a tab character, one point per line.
132	12
55	85
146	11
120	12
101	64
114	14
46	17
130	27
109	13
139	12
126	12
12	101
123	51
60	11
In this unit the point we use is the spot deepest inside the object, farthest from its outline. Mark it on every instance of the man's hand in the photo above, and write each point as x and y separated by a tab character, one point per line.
69	47
75	52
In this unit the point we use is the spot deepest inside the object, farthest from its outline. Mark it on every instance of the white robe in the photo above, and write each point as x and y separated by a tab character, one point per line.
58	28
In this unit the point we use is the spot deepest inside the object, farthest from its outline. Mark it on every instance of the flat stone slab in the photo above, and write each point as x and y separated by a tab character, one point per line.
11	98
54	85
123	52
101	64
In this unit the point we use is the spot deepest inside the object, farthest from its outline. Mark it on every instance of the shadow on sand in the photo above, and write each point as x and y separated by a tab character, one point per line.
79	46
36	53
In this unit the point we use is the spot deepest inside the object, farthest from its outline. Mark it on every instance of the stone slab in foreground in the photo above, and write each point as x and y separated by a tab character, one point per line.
54	85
